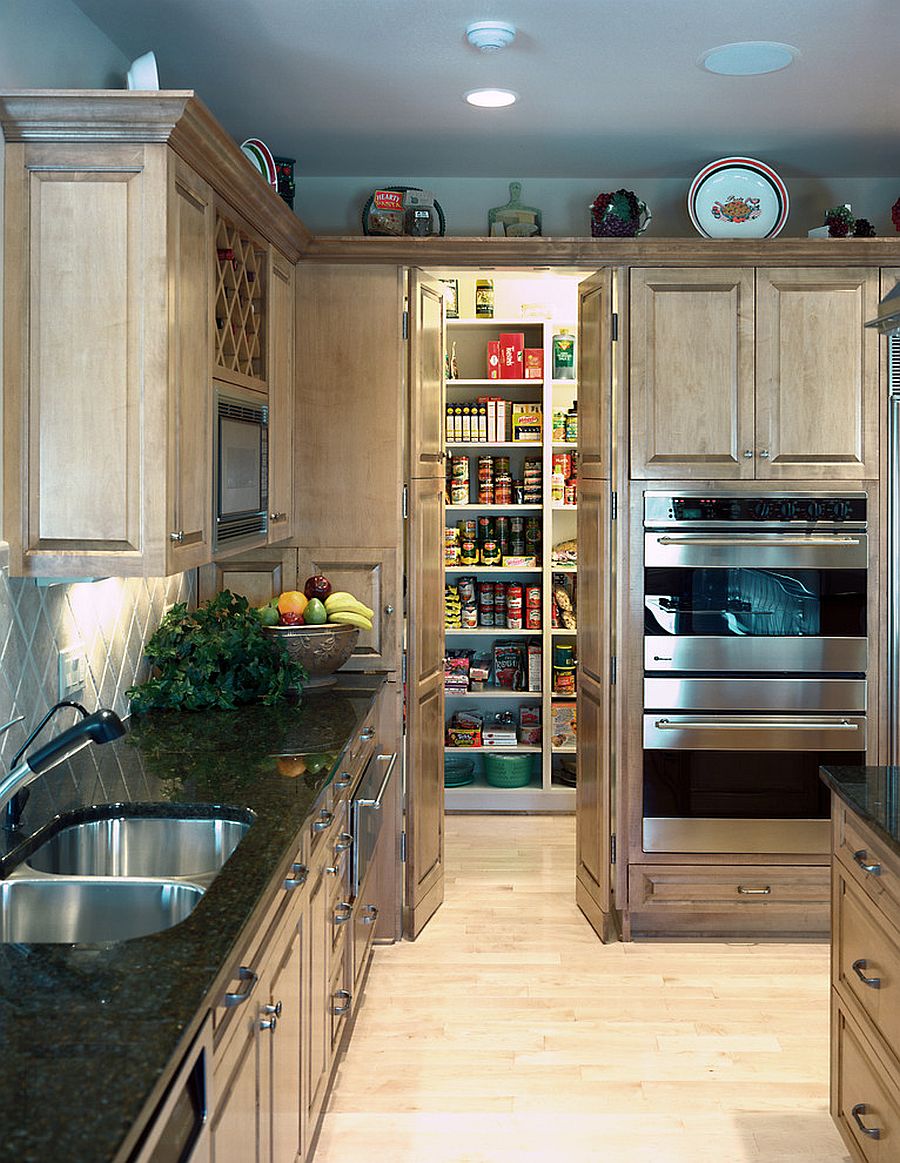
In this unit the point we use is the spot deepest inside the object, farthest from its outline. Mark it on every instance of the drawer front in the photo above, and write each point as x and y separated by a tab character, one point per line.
365	925
340	1001
360	749
869	860
864	1098
867	958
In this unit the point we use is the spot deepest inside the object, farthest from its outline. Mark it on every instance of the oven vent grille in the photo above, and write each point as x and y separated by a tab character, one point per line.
234	410
894	364
242	527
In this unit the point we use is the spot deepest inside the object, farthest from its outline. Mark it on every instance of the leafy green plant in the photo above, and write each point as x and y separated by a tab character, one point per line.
214	656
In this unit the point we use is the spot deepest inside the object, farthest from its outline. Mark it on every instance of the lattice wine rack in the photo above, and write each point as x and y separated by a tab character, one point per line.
240	302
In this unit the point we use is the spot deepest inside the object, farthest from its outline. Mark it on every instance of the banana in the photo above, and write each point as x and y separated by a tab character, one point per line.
341	601
350	618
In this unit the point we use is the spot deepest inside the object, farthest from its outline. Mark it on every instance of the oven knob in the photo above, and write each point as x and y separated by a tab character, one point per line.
761	510
812	510
787	510
840	510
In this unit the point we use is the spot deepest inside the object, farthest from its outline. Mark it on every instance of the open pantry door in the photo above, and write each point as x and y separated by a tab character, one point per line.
425	606
595	783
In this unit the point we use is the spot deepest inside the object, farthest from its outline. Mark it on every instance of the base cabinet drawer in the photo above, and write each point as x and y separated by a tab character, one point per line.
869	861
729	898
864	1100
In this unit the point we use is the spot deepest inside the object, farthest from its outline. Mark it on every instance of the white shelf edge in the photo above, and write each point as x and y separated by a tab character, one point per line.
493	631
505	508
519	749
493	693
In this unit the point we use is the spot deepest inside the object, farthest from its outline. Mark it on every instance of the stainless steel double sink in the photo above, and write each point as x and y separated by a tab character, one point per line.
116	877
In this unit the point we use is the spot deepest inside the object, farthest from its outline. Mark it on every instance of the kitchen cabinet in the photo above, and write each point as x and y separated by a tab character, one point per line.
741	374
865	1066
115	221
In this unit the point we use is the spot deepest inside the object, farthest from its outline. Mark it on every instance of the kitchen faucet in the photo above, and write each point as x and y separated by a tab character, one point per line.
100	727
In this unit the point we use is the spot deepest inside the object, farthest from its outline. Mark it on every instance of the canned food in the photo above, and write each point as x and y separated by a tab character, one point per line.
490	553
468	552
532	617
465	587
500	604
532	597
514	606
468	617
459	492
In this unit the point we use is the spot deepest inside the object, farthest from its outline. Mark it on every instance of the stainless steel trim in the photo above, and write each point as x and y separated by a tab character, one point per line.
754	733
763	551
712	652
375	804
781	837
787	695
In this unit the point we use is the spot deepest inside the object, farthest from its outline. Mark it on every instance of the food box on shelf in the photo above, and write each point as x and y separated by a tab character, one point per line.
527	423
534	666
563	724
512	352
530	725
493	359
534	363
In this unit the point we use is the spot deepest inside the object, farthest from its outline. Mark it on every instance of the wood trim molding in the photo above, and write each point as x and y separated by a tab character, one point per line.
176	117
597	252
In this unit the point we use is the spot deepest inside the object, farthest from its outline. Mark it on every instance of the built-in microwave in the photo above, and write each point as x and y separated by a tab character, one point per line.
240	467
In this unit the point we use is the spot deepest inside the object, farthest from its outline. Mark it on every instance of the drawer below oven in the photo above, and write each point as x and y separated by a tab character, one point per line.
784	695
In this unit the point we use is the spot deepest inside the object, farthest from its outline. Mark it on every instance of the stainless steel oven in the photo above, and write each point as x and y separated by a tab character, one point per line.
755	656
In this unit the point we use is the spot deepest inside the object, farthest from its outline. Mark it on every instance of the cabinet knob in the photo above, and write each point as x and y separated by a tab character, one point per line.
389	610
275	1009
177	537
748	453
268	1023
278	516
764	454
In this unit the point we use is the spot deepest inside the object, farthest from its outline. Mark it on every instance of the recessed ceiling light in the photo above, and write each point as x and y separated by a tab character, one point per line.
748	58
491	98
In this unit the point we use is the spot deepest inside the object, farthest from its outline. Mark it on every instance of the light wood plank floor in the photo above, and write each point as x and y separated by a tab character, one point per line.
507	1033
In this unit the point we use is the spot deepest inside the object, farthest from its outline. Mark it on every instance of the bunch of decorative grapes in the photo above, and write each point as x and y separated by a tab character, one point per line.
615	215
839	220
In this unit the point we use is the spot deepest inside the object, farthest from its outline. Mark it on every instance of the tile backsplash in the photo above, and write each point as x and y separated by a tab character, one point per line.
111	619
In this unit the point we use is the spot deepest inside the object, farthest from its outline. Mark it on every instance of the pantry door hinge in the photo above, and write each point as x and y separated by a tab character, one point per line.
615	326
613	667
406	325
612	848
405	502
613	505
402	847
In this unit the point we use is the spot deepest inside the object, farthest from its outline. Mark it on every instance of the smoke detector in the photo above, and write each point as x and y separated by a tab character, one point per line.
490	35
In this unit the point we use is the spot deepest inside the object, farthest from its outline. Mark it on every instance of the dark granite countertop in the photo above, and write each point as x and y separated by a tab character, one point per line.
89	1031
873	793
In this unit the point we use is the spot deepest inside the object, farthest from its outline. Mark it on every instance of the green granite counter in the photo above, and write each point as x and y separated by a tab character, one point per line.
89	1032
873	793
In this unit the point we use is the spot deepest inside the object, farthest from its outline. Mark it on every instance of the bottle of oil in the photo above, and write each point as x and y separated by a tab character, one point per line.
564	355
484	299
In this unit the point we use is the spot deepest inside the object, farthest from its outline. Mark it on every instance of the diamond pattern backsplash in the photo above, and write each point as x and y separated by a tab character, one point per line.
111	619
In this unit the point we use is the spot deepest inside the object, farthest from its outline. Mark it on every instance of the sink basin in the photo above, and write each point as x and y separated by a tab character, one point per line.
140	846
91	910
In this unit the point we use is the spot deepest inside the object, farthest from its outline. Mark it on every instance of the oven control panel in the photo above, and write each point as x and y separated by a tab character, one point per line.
664	510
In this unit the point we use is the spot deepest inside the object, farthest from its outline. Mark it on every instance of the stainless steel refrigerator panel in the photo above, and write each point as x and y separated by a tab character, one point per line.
769	550
803	732
784	837
810	655
787	695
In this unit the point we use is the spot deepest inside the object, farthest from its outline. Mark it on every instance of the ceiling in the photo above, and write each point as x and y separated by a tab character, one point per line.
370	87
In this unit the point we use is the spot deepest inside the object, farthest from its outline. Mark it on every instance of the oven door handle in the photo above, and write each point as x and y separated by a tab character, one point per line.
760	541
756	724
375	804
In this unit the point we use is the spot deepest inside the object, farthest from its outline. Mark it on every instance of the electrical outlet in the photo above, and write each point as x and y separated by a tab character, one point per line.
72	670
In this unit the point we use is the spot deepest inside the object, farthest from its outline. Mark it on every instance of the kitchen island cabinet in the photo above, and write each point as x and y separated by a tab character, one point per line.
865	1006
119	206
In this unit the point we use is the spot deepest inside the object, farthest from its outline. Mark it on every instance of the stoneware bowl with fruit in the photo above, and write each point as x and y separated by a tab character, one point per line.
318	626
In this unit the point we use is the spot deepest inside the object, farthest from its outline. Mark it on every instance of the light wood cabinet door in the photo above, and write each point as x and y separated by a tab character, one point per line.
817	396
594	810
281	398
318	956
237	1133
287	1094
256	577
426	376
691	373
594	375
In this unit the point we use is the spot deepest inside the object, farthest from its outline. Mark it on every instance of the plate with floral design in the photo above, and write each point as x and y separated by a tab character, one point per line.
738	197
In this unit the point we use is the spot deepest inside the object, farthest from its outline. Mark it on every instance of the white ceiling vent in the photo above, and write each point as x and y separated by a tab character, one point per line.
490	35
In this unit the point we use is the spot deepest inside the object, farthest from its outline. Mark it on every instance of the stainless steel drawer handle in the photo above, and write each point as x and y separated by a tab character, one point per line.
298	877
758	542
343	780
343	842
342	999
370	915
861	857
754	725
343	913
248	980
375	804
325	820
858	1111
367	733
858	966
744	891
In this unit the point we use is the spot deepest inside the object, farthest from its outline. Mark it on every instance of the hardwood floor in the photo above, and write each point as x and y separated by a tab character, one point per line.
507	1033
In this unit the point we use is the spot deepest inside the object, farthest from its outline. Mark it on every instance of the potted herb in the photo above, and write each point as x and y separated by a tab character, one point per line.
215	656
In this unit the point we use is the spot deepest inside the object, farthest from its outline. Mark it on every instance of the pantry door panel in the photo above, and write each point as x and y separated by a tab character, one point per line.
594	375
426	376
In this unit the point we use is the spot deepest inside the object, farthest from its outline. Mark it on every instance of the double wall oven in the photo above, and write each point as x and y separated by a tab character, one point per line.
755	658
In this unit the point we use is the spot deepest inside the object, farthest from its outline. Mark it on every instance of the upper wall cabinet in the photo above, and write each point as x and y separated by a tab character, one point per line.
120	310
743	374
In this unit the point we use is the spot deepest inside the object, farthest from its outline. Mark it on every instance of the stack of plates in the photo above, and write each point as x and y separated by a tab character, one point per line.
261	156
458	771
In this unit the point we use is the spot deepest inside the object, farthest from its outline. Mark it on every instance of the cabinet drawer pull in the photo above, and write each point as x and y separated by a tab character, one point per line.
744	891
343	913
342	999
268	1023
275	1009
299	873
861	857
367	733
343	842
335	869
325	820
248	979
370	915
343	780
858	1111
858	967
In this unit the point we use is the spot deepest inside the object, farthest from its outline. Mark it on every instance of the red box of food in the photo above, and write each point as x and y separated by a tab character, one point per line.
493	359
512	355
534	363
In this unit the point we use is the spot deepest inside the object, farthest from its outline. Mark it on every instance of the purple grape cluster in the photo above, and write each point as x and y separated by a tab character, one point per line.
615	215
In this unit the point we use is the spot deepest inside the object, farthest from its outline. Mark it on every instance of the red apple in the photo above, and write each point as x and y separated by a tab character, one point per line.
290	618
317	586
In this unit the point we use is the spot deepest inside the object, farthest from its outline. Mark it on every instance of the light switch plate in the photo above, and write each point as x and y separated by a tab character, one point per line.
72	670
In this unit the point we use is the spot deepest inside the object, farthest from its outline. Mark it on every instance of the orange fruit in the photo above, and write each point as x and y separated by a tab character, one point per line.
292	602
291	766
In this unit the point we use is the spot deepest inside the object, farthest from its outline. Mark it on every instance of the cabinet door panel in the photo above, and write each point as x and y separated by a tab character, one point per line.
594	809
594	375
426	378
256	578
691	382
817	374
288	1094
235	1128
281	399
593	578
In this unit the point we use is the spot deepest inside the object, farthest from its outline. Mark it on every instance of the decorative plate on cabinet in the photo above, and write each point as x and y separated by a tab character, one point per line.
738	197
261	156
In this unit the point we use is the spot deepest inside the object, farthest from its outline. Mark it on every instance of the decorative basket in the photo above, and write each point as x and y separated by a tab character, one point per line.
506	770
320	649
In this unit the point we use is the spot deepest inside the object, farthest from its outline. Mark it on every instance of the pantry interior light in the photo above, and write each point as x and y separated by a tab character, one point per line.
748	58
491	98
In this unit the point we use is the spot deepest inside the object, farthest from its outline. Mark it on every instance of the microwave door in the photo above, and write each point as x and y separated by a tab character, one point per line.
240	484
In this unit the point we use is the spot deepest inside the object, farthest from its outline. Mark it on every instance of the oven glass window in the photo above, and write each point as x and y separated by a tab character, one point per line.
756	603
